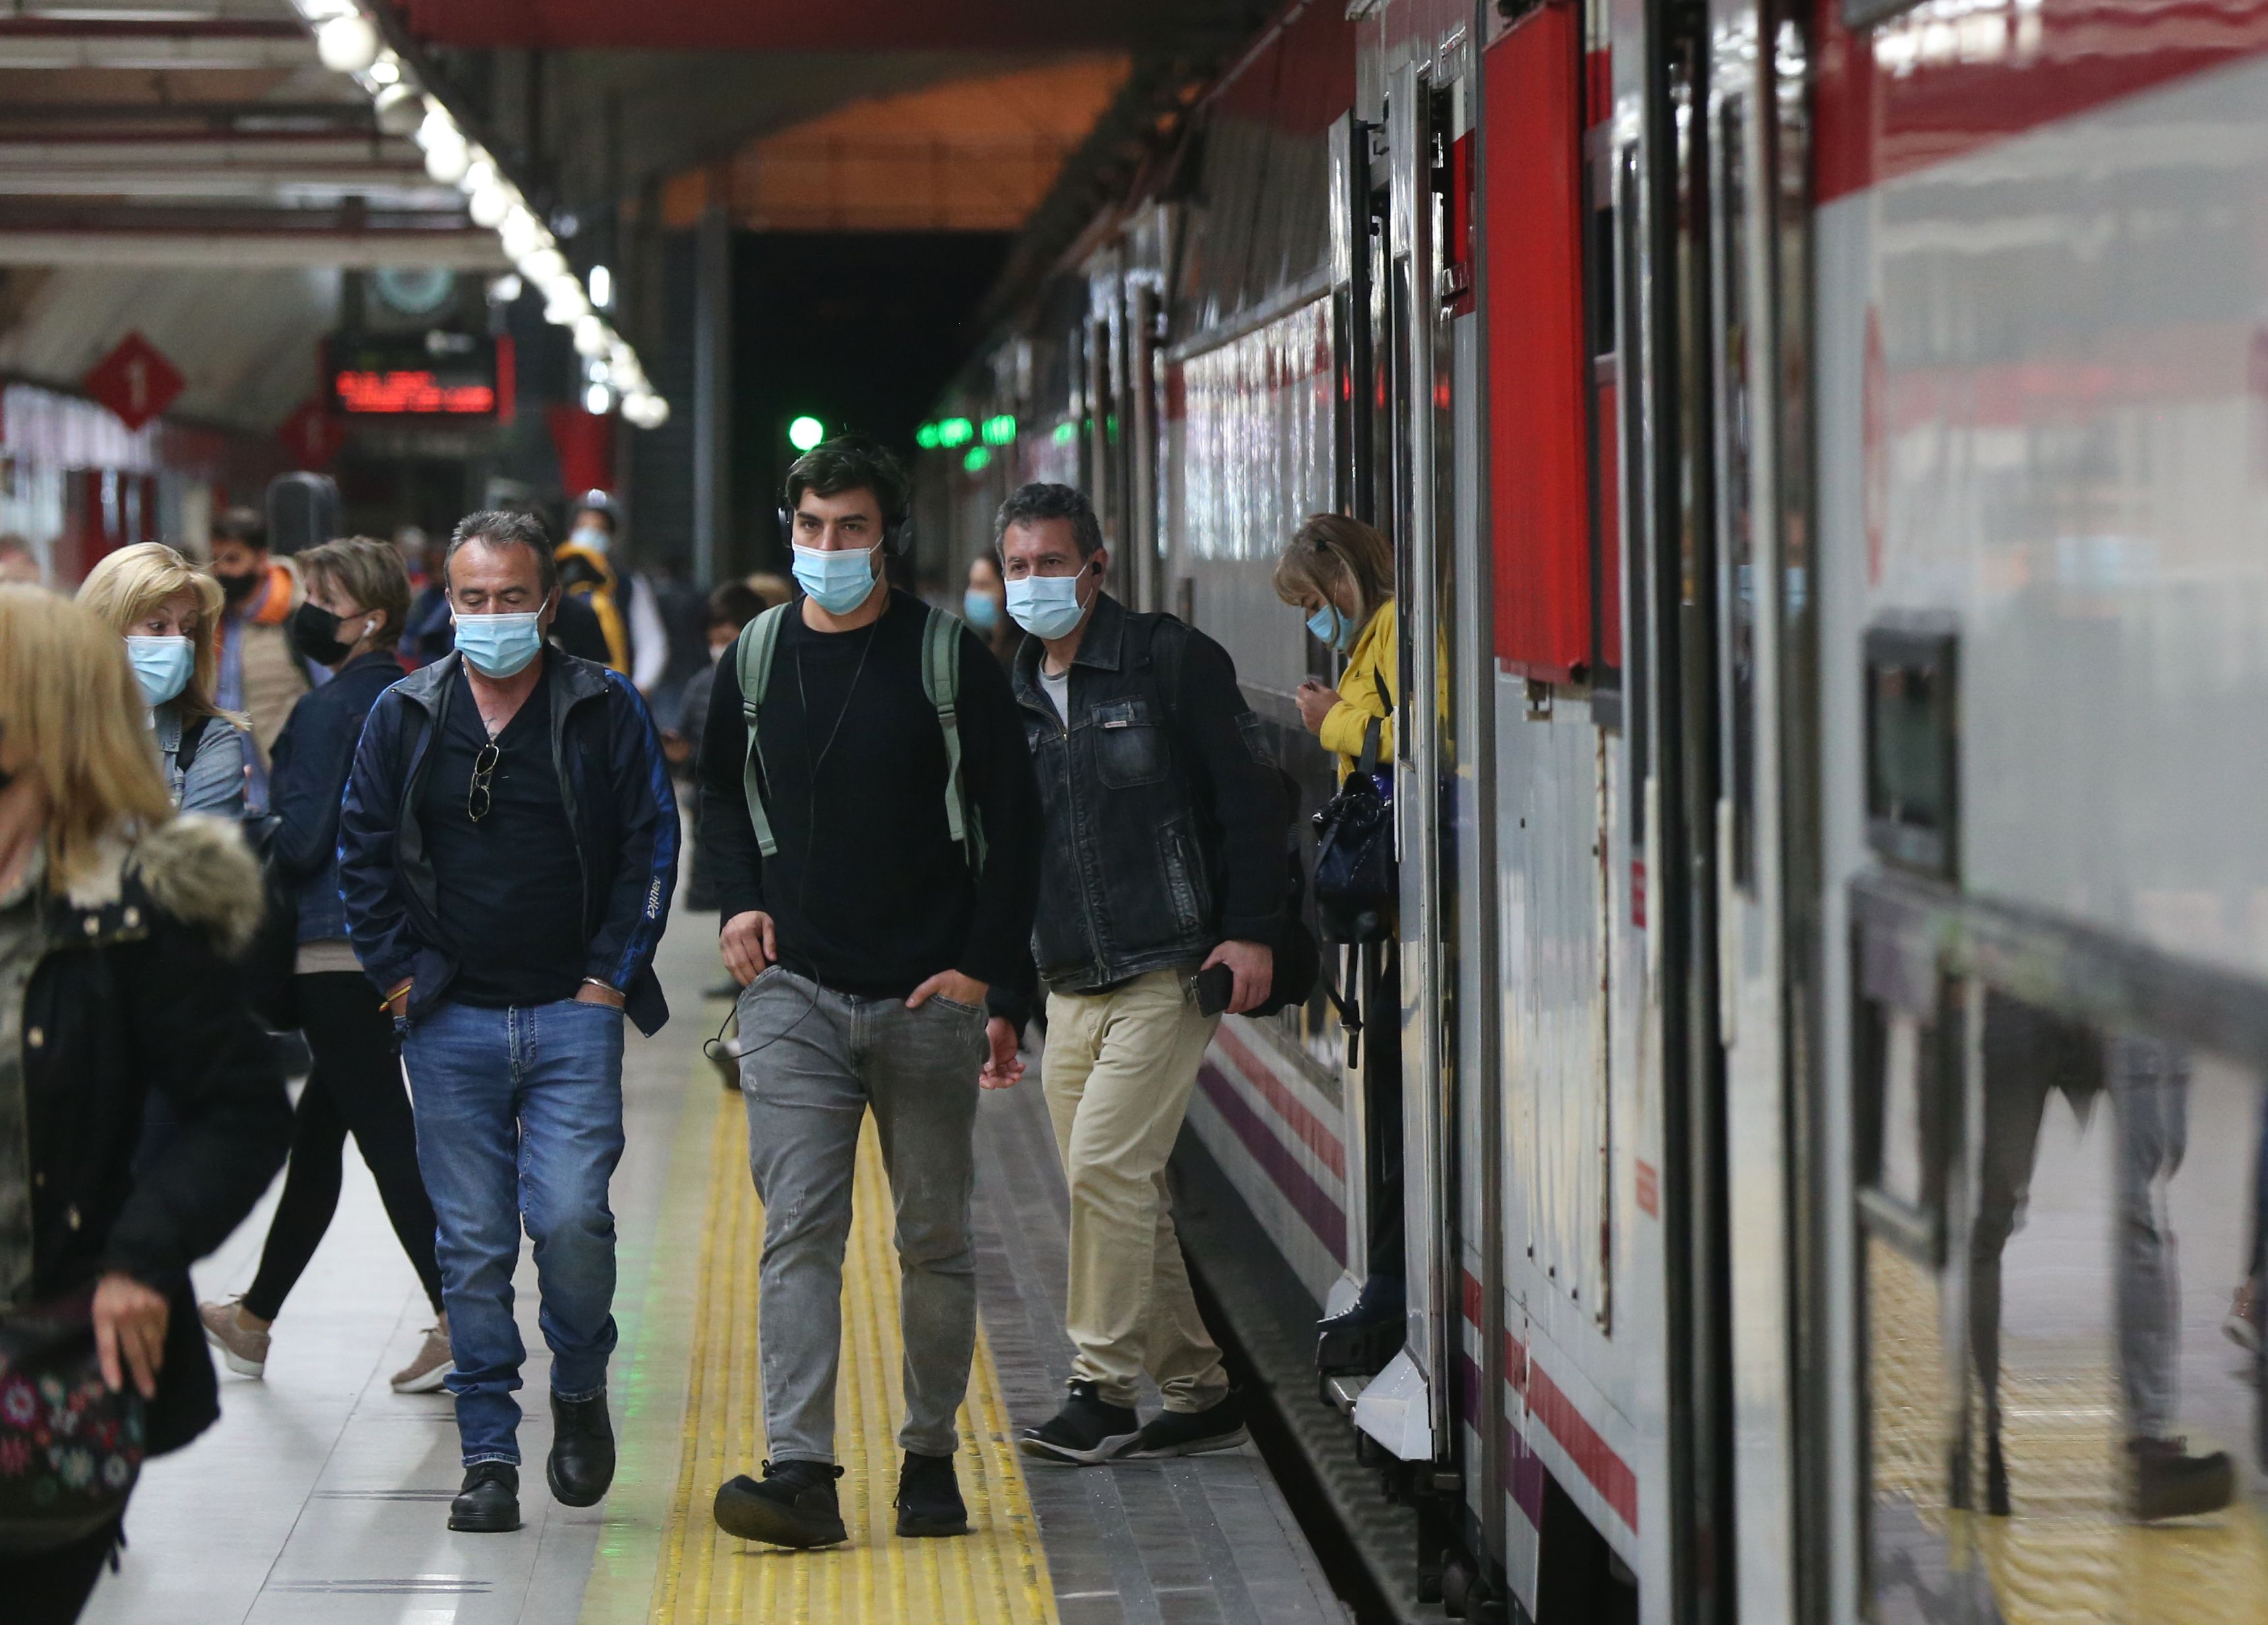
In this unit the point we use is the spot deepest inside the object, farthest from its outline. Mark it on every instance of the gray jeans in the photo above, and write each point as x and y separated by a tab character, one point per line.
814	1061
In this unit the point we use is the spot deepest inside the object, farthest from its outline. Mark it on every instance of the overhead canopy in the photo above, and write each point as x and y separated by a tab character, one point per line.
211	138
771	25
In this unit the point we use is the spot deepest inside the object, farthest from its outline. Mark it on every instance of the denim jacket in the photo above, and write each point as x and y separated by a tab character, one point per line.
1164	811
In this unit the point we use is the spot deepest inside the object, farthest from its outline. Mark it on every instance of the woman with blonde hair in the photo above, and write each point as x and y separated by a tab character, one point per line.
1340	572
168	611
117	920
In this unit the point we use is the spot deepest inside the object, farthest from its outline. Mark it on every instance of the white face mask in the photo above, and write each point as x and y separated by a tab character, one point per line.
591	536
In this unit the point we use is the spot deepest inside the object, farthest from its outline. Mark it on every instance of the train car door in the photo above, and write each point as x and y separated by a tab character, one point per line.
1760	870
1407	1408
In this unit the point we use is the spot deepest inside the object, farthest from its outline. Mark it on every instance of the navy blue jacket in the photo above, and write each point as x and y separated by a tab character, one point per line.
311	759
619	804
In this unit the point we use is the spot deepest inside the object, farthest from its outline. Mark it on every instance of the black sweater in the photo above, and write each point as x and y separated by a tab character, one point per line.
868	891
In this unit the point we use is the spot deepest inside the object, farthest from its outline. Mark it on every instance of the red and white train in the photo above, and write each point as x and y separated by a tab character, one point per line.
1826	448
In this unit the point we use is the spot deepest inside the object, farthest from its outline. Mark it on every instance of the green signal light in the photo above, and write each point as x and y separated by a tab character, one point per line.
926	436
955	431
1065	433
806	432
978	458
999	430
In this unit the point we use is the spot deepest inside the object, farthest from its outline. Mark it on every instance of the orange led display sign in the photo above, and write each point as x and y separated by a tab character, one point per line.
433	374
410	391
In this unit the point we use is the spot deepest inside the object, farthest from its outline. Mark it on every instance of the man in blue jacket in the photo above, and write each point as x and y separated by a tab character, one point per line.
507	851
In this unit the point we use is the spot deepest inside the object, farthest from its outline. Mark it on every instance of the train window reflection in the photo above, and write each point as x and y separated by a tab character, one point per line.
2064	1420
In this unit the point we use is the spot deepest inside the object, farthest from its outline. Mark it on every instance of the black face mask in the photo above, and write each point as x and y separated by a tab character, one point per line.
237	588
315	634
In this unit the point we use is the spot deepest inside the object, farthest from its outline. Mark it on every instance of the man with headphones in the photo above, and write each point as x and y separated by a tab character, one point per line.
869	813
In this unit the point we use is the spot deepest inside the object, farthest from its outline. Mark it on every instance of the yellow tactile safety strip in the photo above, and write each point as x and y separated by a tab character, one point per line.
2068	1553
996	1576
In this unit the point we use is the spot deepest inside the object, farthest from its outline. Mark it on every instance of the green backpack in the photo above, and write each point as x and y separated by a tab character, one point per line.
752	659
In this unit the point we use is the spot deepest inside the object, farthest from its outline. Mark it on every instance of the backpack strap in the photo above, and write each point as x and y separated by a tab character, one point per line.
941	680
193	732
751	662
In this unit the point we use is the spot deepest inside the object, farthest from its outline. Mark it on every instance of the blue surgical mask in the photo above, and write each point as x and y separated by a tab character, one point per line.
500	646
591	536
1046	606
1333	626
980	609
839	581
162	666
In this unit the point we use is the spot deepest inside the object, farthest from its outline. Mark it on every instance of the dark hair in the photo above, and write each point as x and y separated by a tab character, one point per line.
734	603
850	462
1029	505
371	572
247	526
495	528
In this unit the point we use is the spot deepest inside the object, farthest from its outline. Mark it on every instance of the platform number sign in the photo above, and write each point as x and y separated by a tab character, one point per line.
135	380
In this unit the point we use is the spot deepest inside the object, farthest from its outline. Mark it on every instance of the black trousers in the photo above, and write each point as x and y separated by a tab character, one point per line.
1381	1073
49	1588
356	1088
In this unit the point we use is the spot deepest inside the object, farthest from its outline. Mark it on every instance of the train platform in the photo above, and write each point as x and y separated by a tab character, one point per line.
321	1496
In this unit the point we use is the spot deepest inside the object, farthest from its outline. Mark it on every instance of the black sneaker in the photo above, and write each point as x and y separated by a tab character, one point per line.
2169	1482
581	1465
1219	1426
490	1501
794	1506
929	1497
1085	1431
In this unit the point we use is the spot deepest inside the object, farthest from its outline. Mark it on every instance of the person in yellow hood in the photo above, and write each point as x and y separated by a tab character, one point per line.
591	568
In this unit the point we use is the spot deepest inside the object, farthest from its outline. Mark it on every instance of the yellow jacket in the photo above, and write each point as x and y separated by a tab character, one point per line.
1370	669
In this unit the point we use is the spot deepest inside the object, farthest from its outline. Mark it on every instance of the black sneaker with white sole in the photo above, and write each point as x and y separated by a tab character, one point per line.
1088	1430
1190	1433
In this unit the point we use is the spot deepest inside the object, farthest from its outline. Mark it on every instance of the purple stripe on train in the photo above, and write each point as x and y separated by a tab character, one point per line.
1314	1204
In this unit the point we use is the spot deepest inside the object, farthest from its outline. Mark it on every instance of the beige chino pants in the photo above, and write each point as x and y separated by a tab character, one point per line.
1117	1072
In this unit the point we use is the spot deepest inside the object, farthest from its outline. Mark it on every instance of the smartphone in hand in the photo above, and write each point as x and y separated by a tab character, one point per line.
1216	987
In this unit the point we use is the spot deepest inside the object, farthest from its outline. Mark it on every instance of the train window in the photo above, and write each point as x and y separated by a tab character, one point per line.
1912	746
1540	494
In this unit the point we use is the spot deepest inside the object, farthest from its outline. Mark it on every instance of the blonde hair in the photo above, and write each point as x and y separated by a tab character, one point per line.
1330	550
371	572
133	582
71	718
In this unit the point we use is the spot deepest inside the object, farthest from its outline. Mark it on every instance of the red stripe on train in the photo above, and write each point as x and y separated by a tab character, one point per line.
1287	1106
1610	1474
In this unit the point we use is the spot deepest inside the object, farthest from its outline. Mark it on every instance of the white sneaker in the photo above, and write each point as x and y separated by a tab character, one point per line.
432	1365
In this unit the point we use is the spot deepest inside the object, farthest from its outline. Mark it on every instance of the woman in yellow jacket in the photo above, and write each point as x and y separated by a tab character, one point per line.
1340	572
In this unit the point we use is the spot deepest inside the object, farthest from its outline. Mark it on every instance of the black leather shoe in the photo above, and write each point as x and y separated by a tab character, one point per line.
929	1497
490	1501
1364	1340
581	1465
794	1506
1088	1430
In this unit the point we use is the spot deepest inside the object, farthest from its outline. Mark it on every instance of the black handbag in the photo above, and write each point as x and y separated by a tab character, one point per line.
70	1449
1355	880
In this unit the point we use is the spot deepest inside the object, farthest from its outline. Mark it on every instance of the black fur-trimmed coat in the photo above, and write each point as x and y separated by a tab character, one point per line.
136	993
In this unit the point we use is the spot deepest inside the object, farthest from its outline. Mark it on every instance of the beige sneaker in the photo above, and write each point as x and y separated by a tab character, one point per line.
243	1348
433	1364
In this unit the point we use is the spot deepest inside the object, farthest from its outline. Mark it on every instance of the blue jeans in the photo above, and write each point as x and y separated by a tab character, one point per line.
519	1118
